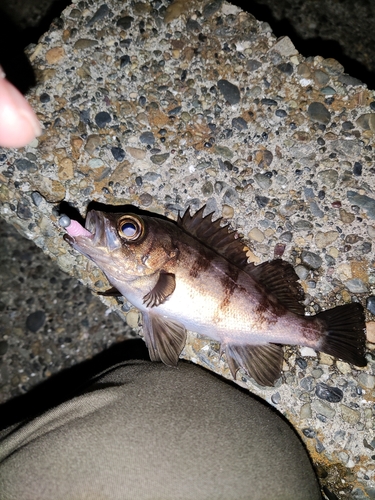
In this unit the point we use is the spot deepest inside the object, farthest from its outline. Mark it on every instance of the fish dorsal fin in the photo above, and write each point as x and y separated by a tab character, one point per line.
225	241
280	280
165	338
263	362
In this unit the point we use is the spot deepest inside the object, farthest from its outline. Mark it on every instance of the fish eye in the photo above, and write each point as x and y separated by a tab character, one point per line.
130	228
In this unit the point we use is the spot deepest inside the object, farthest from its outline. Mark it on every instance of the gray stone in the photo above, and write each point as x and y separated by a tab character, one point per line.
286	68
319	446
349	415
359	494
321	77
349	80
230	92
223	151
175	111
263	181
317	373
24	165
347	147
268	102
85	43
328	393
159	159
366	121
3	347
319	113
323	408
302	225
356	285
147	138
367	380
311	260
23	209
328	91
286	236
207	188
239	123
285	47
332	66
37	198
211	8
193	25
290	208
301	271
102	119
328	177
253	65
151	177
99	14
315	210
305	411
35	320
125	22
230	196
363	201
370	304
307	383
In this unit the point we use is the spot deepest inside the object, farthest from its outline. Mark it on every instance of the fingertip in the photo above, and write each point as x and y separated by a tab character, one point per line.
18	122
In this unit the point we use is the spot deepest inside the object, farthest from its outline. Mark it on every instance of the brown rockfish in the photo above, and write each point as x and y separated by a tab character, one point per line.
193	274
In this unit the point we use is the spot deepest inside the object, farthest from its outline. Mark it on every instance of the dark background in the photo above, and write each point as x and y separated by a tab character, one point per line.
342	29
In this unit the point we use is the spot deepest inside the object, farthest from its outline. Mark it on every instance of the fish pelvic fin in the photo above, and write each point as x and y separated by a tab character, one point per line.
262	362
161	291
345	335
111	292
164	338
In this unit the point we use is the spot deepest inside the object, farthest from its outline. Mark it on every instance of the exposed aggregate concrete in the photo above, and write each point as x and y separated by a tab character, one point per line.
169	106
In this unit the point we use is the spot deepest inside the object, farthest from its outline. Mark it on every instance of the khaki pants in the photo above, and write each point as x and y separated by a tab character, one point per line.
142	430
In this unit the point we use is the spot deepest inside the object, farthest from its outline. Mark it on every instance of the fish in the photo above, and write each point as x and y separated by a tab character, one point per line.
193	274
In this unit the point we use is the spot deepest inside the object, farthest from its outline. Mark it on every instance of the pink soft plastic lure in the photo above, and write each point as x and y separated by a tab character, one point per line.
72	227
75	229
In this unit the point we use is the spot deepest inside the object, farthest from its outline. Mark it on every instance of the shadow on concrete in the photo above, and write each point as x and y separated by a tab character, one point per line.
68	383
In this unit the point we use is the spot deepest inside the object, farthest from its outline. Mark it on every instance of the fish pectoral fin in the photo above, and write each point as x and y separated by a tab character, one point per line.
161	291
165	338
262	362
111	292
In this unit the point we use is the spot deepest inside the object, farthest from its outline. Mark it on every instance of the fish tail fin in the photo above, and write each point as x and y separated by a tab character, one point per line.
345	336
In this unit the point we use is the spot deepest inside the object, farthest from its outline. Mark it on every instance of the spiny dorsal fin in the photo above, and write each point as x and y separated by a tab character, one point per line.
280	279
225	241
263	362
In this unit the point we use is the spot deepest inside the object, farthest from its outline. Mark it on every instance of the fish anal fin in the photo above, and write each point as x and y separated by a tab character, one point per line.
280	280
111	292
162	290
165	338
262	362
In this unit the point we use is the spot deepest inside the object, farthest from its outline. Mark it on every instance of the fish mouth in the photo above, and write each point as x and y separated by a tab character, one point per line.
99	232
